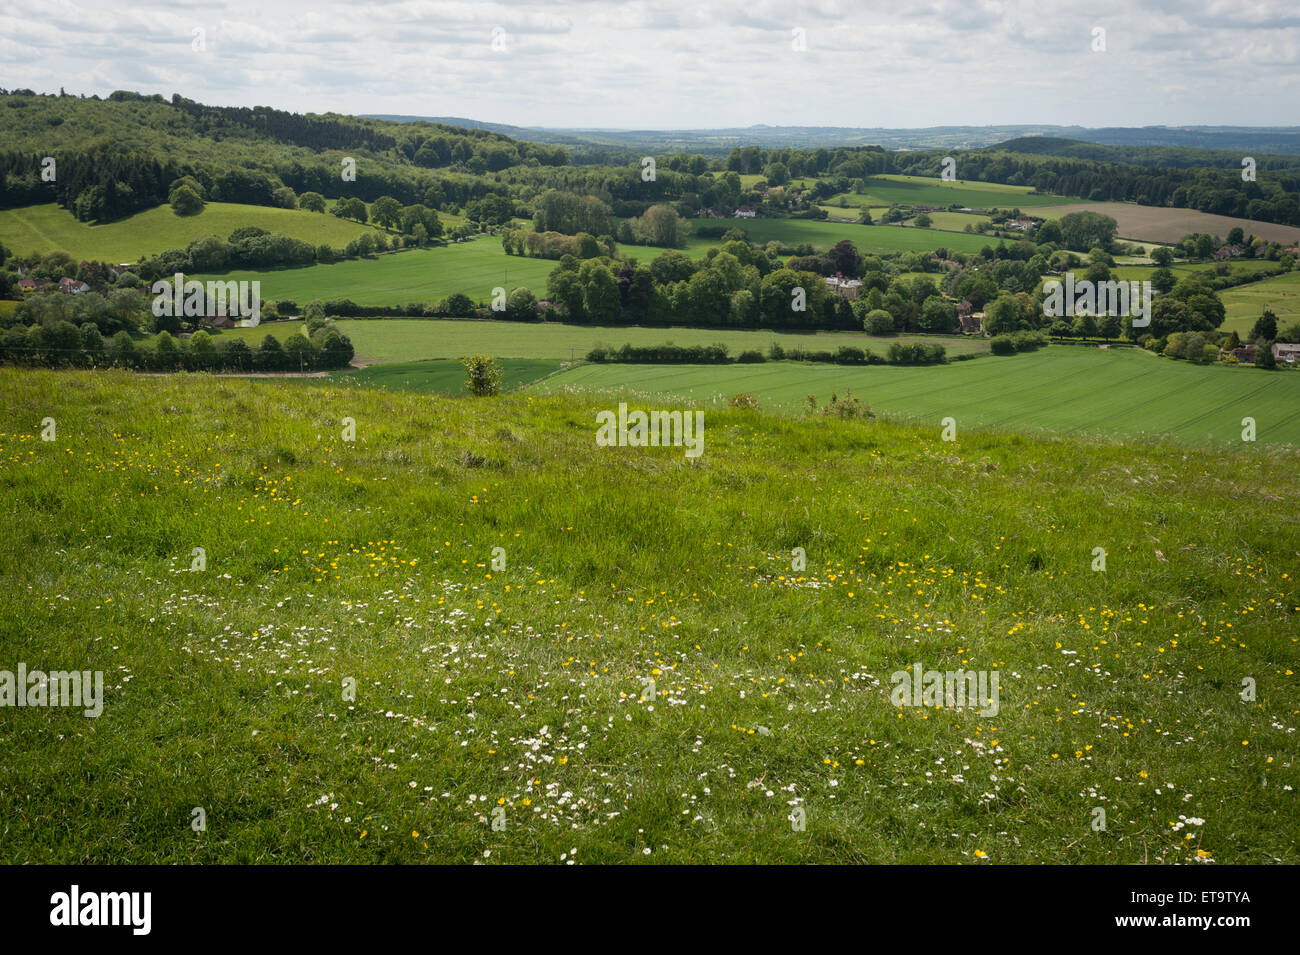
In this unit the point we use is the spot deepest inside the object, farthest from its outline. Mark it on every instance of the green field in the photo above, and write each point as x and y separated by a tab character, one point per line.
919	190
416	275
645	679
1060	390
47	227
443	377
868	238
1246	303
402	339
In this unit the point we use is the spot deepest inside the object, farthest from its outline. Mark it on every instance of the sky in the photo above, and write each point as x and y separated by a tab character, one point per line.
668	64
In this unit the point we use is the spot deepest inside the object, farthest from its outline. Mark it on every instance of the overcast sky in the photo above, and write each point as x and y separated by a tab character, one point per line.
659	64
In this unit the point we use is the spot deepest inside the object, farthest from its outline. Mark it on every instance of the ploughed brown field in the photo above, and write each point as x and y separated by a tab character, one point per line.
1159	224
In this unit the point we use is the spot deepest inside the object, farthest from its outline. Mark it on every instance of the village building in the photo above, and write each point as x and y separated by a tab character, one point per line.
1286	352
971	321
846	288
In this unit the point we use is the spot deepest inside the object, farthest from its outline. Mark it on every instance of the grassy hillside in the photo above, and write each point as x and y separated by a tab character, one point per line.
522	694
416	275
47	227
1246	303
400	339
1062	390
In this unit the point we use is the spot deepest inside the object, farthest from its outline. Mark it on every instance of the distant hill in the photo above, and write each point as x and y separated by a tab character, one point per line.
1281	140
1163	155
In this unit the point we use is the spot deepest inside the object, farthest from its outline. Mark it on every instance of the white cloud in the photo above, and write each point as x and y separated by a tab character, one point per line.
660	64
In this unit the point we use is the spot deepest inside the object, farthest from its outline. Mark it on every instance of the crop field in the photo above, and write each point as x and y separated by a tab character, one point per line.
443	376
1160	224
397	278
868	238
1246	303
886	190
1063	390
409	339
644	678
45	228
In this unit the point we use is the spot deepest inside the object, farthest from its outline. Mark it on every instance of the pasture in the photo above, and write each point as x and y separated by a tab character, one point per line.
473	268
45	228
1062	390
443	376
1245	303
867	238
402	339
645	679
885	190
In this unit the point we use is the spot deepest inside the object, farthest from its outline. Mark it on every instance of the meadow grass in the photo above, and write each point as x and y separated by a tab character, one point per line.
867	238
1245	303
44	228
887	189
407	339
473	268
522	693
1063	389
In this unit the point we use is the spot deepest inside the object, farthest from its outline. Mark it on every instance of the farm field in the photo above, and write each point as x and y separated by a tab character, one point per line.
45	228
524	693
443	376
397	278
945	221
1161	224
409	339
1246	303
1063	390
868	238
888	189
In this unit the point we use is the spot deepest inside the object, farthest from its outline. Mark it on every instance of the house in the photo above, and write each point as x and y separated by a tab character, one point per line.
971	321
73	286
1021	224
744	212
32	285
848	288
1287	352
218	321
1245	355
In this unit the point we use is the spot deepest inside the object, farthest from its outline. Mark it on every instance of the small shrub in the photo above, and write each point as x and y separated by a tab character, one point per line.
483	375
745	402
847	407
